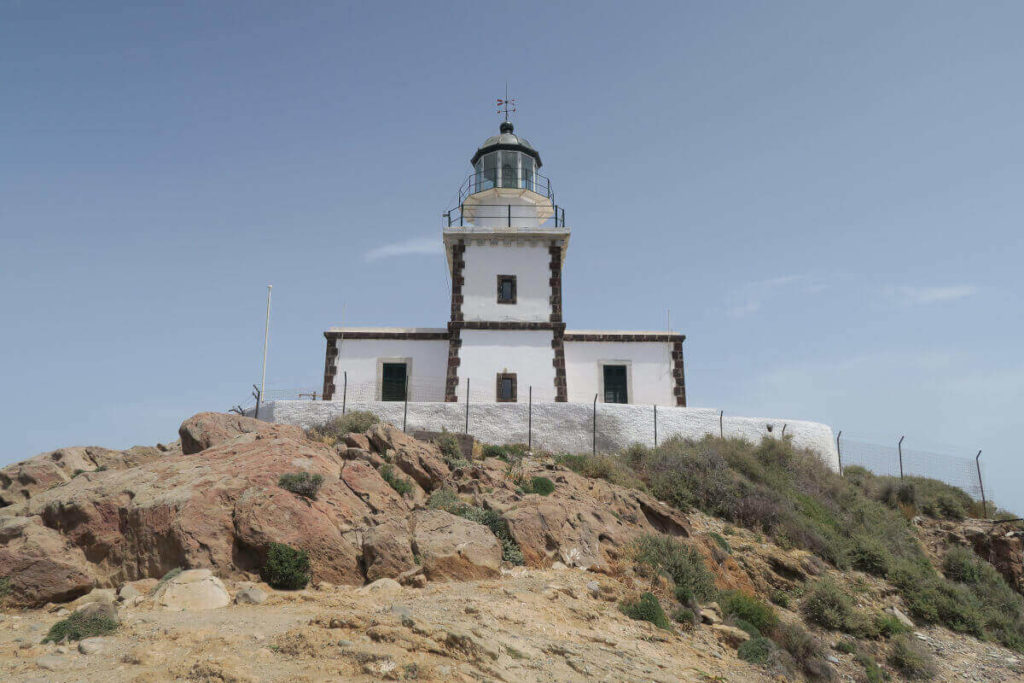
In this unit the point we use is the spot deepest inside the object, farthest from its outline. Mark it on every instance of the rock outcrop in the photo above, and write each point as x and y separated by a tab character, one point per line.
206	430
454	549
221	507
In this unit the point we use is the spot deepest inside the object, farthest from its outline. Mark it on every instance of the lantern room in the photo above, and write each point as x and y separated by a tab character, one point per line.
505	188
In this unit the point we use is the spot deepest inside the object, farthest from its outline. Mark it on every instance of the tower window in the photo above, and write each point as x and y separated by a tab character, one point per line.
506	387
506	289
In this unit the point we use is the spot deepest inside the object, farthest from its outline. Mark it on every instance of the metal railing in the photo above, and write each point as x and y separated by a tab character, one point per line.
511	215
482	181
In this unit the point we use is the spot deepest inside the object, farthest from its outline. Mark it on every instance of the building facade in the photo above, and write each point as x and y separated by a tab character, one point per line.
506	339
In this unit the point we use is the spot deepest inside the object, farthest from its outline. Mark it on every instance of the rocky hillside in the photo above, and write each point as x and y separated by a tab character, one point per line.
370	554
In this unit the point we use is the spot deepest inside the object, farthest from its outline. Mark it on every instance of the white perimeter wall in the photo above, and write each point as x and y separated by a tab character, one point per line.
528	262
649	370
564	427
485	353
359	357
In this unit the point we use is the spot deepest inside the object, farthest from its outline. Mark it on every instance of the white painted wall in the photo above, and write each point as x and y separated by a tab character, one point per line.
528	262
565	427
359	357
485	353
649	368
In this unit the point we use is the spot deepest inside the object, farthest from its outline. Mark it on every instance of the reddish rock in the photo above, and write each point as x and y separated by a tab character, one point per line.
454	549
39	564
387	551
1002	548
366	483
206	430
356	440
419	460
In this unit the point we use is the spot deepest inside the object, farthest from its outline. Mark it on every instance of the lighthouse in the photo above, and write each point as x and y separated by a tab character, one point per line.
505	341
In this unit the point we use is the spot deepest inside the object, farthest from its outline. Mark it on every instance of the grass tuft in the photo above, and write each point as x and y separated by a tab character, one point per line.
303	484
79	626
647	608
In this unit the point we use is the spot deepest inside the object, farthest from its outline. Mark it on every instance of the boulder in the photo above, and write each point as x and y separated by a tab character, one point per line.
92	646
730	635
206	430
193	589
454	549
387	550
356	440
419	460
98	609
382	588
40	565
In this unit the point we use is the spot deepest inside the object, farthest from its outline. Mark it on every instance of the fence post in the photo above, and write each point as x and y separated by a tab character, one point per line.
721	425
595	425
839	453
467	405
344	390
899	446
783	430
655	425
529	424
981	485
259	399
405	408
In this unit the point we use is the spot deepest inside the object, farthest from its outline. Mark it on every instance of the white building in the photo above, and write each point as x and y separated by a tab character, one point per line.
506	245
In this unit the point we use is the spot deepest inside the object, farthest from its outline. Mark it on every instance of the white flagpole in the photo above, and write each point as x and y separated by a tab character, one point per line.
266	338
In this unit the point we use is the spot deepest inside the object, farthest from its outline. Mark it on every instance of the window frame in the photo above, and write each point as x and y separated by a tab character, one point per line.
407	362
515	389
629	379
512	279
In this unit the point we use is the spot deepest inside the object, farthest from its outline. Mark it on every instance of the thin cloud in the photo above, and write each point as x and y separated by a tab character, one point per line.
420	246
751	297
931	295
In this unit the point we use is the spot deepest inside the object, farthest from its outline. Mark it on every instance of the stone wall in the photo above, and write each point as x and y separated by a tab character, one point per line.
563	427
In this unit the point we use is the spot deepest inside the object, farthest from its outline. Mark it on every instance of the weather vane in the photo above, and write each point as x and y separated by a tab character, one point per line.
506	105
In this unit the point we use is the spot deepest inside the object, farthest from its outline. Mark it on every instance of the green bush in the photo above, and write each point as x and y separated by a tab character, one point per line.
657	554
608	467
505	451
961	565
870	555
334	431
911	659
872	672
740	605
846	645
744	625
400	484
448	444
756	651
684	615
540	485
286	568
647	608
446	499
828	606
805	649
720	540
304	484
780	598
79	626
5	588
888	626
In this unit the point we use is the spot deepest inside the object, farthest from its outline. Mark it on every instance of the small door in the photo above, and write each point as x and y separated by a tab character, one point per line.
393	382
615	384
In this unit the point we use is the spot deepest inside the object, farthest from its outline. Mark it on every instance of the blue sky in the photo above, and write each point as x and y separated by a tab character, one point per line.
827	196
